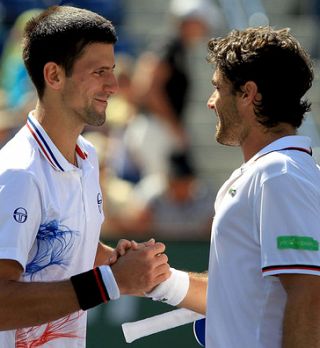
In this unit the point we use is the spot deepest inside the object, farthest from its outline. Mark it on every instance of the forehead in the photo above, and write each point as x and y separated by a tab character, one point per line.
219	77
97	54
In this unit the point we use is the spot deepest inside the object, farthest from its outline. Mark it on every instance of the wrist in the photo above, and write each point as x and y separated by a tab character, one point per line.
173	290
95	287
110	282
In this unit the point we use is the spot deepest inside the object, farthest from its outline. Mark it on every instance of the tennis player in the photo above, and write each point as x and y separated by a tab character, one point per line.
263	280
52	266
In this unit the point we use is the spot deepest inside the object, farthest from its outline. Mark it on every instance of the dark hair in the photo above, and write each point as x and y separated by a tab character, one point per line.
60	34
276	62
180	166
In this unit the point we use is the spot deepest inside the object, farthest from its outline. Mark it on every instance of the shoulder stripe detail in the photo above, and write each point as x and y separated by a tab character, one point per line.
288	267
42	148
35	132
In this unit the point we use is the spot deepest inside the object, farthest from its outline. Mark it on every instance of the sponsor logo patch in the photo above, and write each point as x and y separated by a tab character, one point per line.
297	242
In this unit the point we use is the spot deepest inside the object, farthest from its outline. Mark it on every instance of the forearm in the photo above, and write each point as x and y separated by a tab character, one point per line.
196	297
30	304
301	324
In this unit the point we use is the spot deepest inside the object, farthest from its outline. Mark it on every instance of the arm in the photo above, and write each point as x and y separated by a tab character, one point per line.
182	289
301	323
28	304
196	298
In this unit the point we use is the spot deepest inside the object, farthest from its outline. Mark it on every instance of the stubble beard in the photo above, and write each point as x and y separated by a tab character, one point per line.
227	134
94	118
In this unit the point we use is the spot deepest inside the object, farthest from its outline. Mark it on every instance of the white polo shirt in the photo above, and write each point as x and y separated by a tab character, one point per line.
50	219
267	222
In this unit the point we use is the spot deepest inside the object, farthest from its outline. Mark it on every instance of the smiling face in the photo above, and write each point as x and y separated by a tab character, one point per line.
230	129
85	93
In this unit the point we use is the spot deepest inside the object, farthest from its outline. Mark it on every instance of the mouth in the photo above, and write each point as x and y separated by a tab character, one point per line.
102	100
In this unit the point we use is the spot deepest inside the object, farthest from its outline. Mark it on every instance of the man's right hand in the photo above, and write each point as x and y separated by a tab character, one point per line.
141	268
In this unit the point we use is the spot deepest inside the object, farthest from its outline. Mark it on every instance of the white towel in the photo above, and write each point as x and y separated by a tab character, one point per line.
157	323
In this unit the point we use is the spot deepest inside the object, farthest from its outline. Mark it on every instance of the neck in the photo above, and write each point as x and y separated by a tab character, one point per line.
62	132
261	137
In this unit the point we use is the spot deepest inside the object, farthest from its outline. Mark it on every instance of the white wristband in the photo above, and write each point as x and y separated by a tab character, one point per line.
173	290
110	282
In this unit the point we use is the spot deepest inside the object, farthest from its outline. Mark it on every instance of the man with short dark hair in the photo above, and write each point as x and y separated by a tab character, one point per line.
51	202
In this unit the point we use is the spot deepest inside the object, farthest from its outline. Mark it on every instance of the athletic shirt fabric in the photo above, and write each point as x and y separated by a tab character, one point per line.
266	223
51	214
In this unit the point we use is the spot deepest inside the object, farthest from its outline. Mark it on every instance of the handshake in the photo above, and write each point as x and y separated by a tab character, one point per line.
139	269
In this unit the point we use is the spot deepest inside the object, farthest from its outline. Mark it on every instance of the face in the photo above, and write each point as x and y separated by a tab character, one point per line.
86	92
230	128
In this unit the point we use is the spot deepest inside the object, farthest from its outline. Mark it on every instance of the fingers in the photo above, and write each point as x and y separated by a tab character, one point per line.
122	246
113	258
162	273
157	248
150	242
141	268
134	245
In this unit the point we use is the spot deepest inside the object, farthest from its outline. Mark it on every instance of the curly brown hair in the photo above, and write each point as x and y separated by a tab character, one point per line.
276	62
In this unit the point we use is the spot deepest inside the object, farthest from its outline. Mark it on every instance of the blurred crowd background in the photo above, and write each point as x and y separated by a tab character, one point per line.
160	165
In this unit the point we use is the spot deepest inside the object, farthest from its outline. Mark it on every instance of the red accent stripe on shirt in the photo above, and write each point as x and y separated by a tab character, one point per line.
100	285
42	148
290	267
82	154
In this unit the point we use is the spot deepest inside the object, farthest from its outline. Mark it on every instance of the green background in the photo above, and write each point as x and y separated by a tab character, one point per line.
104	321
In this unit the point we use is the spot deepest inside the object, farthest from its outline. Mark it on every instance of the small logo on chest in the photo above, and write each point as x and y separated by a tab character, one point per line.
232	192
20	215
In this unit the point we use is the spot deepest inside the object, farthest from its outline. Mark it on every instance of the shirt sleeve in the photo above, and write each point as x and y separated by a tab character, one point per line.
289	224
20	214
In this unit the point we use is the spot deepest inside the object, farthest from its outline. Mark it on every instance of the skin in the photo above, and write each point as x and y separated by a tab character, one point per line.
301	314
237	126
73	102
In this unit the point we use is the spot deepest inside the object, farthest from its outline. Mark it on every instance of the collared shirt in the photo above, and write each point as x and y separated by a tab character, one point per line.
50	219
267	222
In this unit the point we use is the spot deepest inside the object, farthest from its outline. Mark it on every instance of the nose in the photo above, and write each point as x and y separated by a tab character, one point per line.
210	103
112	84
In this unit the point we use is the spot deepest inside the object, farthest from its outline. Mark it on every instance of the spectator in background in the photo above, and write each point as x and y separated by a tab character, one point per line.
180	207
14	79
9	123
162	79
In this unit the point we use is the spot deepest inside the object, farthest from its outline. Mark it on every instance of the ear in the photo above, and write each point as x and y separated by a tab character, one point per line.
53	75
250	93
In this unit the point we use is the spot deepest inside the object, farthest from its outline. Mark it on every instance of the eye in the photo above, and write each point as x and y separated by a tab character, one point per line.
99	72
215	88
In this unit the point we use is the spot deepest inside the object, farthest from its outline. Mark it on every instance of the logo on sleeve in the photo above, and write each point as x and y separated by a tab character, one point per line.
99	202
298	243
20	215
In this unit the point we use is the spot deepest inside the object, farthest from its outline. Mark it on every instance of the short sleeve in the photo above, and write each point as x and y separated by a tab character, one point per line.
20	214
288	210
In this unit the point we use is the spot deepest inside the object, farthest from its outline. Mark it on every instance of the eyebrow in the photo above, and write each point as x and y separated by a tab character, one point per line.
107	67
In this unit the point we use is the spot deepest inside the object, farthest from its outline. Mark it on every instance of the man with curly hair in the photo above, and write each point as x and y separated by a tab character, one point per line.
263	279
